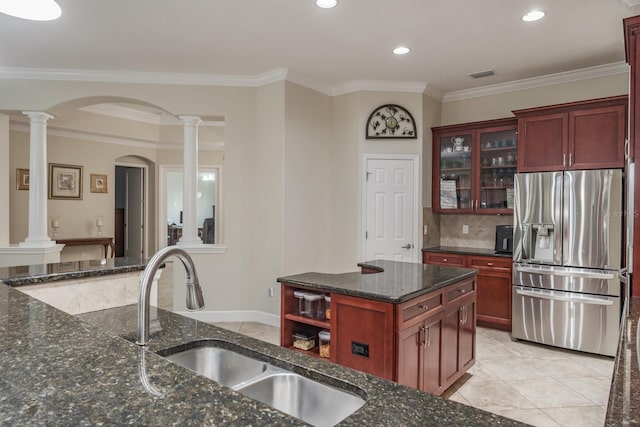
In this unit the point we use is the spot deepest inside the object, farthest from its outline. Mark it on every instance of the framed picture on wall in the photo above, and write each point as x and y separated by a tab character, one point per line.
99	183
65	182
22	179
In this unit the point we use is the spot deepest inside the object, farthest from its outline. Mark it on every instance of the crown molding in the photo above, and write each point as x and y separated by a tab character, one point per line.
302	80
117	140
535	82
379	86
121	112
134	77
631	3
158	119
292	76
434	92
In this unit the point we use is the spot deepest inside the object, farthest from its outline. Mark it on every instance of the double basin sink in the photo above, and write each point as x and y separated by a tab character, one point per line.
314	402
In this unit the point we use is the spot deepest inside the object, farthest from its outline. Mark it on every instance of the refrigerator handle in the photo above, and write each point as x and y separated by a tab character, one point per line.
549	296
568	273
558	218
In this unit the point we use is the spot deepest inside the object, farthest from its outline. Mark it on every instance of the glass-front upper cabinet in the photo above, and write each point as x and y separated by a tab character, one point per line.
473	167
456	175
498	161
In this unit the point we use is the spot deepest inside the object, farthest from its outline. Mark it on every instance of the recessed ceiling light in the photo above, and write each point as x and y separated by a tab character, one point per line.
34	10
401	50
326	4
534	15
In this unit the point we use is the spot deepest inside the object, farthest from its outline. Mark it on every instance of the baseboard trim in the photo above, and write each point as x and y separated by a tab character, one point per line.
233	316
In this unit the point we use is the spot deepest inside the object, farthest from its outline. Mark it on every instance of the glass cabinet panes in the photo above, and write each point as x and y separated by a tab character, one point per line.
456	172
498	162
473	167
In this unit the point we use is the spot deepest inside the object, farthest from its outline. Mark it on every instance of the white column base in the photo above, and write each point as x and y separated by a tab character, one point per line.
34	243
11	256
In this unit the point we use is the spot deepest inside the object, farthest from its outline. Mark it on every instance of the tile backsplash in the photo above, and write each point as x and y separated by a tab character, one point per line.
446	230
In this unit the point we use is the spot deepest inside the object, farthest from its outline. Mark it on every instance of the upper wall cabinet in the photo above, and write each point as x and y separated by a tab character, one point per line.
473	167
578	135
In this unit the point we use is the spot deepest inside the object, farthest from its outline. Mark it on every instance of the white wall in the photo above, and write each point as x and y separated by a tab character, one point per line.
307	191
349	144
5	180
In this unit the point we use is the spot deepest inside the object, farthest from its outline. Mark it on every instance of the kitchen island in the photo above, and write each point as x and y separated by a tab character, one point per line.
410	323
59	369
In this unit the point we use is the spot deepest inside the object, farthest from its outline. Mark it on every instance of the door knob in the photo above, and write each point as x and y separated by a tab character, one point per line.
407	246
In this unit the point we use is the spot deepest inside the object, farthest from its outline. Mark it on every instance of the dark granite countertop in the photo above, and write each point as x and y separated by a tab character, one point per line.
624	398
43	273
466	251
397	281
56	369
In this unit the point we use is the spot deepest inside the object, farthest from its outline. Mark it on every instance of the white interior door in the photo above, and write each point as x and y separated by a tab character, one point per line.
390	206
134	217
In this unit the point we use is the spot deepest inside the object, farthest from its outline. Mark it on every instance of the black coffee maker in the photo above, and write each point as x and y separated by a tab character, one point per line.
504	239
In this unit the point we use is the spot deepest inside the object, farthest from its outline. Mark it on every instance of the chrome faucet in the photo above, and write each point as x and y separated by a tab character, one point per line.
194	292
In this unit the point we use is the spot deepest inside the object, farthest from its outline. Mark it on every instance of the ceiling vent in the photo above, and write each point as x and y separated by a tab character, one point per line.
481	74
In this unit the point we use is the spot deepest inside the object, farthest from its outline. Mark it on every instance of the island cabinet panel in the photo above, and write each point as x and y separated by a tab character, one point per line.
420	354
404	342
459	339
580	135
493	286
364	335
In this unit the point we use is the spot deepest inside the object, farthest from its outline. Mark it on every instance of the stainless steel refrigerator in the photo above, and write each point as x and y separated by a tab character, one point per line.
568	229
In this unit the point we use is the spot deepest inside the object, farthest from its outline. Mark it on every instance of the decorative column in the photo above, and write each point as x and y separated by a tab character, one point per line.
190	182
38	237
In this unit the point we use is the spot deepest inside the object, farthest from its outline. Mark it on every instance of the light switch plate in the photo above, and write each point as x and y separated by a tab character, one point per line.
465	229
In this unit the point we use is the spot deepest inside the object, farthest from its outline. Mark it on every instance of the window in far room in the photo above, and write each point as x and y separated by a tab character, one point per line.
208	206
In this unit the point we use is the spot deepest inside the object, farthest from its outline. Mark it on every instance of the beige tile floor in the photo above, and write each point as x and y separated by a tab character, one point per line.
531	383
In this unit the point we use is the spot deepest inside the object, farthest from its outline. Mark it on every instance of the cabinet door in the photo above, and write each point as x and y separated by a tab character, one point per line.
431	353
542	142
494	300
596	138
467	335
409	356
364	335
497	165
450	333
452	172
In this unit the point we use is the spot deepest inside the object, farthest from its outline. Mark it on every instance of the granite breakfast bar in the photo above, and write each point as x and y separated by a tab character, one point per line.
83	370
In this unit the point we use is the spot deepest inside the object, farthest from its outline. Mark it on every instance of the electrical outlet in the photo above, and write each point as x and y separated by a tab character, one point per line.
271	292
425	230
465	229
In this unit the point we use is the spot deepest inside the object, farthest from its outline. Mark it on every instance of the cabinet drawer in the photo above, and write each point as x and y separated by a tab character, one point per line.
461	290
423	305
489	263
444	259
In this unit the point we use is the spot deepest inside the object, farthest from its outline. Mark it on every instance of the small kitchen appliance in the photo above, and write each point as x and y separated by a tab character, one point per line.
504	239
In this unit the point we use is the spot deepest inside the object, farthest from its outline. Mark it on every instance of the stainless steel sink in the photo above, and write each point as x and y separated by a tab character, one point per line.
312	401
221	365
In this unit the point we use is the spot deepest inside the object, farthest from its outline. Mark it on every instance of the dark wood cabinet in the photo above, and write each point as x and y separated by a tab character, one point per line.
493	287
578	135
473	167
632	48
403	342
494	291
458	336
364	335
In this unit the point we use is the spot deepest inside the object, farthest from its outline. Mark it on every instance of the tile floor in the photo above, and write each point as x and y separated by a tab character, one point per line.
531	383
